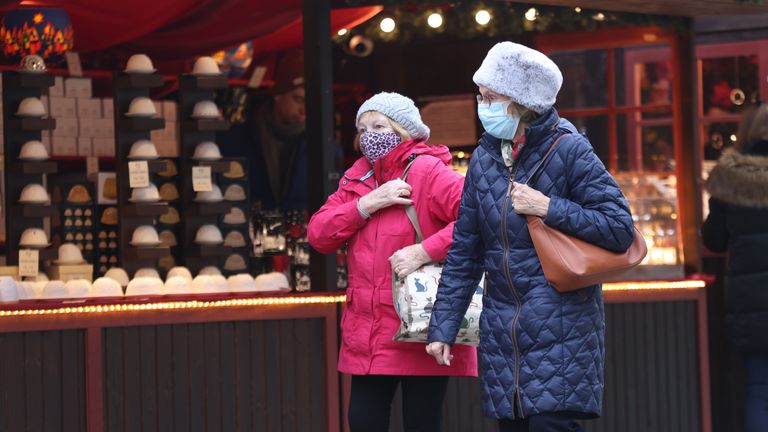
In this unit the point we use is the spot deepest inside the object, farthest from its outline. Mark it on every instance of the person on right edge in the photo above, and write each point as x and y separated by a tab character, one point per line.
738	225
541	351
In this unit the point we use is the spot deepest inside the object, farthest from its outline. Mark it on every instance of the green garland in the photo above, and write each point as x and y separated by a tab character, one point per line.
508	19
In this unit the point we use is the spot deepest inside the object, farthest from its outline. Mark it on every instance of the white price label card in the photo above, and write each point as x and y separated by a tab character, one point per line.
138	172
257	77
73	64
29	262
201	179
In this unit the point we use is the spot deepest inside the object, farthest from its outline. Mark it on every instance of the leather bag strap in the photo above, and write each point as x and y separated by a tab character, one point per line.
410	210
544	159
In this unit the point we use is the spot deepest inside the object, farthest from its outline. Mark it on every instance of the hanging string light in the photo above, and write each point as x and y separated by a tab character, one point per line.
483	17
387	25
435	20
342	32
531	14
599	16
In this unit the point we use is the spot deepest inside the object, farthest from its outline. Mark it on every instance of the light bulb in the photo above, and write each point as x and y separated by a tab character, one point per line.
435	20
577	9
483	17
733	138
599	16
531	14
342	32
387	25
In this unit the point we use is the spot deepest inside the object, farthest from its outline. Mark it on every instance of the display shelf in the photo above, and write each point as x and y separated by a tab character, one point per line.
139	81
205	125
145	253
30	124
34	168
195	82
204	251
217	167
140	124
32	80
154	209
34	211
209	209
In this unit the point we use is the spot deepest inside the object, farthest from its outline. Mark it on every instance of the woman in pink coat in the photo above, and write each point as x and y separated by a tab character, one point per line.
367	213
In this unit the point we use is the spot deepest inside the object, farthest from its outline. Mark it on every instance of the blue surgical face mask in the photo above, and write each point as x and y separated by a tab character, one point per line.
497	121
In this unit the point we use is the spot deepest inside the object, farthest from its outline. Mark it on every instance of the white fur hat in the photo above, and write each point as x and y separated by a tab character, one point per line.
527	76
399	108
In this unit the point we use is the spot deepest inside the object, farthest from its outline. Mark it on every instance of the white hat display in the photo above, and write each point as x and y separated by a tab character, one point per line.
146	272
210	271
272	282
139	286
118	275
9	290
143	150
525	75
210	284
106	287
234	192
178	285
205	109
34	193
29	290
180	272
399	108
70	254
34	238
236	216
33	150
55	289
139	64
31	107
242	282
235	239
206	66
209	234
207	151
146	194
212	196
78	288
145	235
141	107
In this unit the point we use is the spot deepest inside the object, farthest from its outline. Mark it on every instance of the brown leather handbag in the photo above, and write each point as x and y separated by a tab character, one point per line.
570	263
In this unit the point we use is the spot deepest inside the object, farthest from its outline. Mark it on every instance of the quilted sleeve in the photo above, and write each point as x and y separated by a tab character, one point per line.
462	271
336	221
597	211
445	188
714	232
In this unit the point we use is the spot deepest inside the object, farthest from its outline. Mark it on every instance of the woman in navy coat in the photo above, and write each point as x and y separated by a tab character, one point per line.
542	352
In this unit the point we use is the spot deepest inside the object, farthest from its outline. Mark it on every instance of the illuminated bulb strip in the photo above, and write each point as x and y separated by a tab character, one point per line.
629	286
184	305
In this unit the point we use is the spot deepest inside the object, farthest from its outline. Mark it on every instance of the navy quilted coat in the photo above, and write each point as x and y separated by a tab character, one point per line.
540	351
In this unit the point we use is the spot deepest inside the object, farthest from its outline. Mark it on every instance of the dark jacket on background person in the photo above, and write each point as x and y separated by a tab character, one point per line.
277	159
541	351
738	223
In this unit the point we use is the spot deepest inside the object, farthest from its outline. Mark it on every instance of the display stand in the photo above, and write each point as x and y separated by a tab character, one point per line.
18	174
127	131
193	89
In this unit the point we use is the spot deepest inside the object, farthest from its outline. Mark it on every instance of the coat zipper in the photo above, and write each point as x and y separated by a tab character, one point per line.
518	302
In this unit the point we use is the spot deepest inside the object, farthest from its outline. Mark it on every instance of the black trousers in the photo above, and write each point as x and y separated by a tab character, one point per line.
371	397
547	422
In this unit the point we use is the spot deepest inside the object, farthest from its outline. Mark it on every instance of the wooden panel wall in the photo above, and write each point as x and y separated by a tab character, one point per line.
231	376
651	375
42	381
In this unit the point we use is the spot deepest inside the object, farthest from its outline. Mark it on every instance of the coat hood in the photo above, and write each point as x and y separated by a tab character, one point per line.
740	179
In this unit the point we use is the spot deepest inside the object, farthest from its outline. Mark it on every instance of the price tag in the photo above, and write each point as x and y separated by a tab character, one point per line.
201	179
73	64
138	173
29	262
257	77
91	166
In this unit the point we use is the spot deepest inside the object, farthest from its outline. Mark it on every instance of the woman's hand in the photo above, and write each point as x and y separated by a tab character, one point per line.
409	259
393	192
441	351
529	201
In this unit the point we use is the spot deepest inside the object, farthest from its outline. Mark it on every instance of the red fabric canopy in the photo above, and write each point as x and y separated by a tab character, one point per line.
177	29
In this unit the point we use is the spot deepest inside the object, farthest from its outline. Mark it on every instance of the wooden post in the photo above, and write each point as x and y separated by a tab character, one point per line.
320	127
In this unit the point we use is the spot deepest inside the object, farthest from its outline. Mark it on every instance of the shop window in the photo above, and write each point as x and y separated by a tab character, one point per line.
578	92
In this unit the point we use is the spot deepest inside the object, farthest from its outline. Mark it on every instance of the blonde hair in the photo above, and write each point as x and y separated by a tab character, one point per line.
753	127
396	127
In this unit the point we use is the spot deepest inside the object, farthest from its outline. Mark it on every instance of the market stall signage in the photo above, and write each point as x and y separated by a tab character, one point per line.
29	262
201	179
138	173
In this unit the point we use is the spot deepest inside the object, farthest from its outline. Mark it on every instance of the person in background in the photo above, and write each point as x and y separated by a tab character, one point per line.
542	352
738	225
367	213
274	141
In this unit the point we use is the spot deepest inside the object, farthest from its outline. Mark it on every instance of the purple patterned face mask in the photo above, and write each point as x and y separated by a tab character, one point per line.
374	145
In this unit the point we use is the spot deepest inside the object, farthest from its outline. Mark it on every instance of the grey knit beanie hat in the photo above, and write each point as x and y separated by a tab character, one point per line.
400	109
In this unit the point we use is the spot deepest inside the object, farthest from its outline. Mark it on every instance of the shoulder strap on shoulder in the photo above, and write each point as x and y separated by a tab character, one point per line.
410	210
